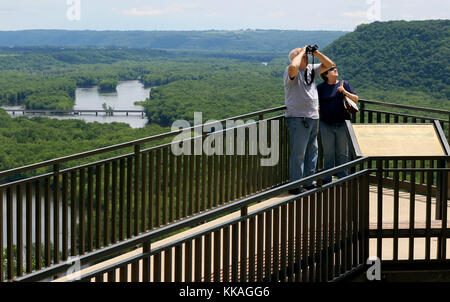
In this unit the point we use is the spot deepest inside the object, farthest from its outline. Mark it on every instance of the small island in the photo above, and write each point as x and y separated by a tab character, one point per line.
108	85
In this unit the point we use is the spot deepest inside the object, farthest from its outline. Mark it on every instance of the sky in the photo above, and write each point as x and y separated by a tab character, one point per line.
212	14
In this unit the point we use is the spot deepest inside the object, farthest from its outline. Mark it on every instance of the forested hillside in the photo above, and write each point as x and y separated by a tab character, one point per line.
227	90
46	78
239	40
397	56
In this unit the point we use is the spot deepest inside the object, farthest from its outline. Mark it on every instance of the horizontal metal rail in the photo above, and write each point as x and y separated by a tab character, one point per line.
393	105
157	193
125	245
406	115
131	143
174	133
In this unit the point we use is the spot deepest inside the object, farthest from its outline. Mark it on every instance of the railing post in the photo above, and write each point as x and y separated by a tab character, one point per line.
146	248
259	168
56	168
243	248
9	237
440	187
362	110
443	239
379	173
137	151
366	216
1	236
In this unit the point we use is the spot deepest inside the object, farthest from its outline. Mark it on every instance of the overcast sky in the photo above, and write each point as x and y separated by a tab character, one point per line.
212	14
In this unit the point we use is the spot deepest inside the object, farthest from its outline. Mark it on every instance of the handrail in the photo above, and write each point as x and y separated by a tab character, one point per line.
406	115
128	144
227	223
188	222
109	250
353	265
173	133
441	111
123	156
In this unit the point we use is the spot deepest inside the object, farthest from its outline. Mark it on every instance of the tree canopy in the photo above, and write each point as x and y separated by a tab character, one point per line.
396	55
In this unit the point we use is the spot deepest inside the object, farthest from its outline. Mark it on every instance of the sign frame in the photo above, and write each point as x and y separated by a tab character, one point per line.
355	149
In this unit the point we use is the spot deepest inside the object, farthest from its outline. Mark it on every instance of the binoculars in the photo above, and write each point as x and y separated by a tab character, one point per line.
310	49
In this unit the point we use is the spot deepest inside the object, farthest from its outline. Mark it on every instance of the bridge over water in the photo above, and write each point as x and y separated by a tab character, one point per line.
73	112
150	215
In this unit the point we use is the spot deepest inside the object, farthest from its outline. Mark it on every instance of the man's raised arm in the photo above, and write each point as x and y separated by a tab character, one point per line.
326	62
296	62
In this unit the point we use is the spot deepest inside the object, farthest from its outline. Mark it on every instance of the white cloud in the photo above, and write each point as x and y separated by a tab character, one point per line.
150	11
408	17
360	14
213	14
278	14
178	7
139	12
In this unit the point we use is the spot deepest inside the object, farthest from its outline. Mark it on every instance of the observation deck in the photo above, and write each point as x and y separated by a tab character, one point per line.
138	212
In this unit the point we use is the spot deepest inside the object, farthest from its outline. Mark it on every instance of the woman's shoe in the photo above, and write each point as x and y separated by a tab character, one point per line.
295	191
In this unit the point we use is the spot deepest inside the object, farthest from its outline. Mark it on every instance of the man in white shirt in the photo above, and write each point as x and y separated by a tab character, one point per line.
302	113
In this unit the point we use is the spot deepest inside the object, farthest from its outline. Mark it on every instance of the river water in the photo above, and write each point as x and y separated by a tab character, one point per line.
126	94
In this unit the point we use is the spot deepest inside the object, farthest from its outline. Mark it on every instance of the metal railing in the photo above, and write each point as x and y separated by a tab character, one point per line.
370	113
317	236
106	202
286	240
72	211
407	223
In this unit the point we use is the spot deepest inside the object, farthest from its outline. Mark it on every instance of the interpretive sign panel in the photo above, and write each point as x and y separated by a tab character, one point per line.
396	140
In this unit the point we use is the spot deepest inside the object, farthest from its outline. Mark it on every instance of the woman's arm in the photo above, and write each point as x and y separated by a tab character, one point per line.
353	97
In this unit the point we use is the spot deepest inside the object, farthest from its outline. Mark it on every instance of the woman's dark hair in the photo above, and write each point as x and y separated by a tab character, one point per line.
323	75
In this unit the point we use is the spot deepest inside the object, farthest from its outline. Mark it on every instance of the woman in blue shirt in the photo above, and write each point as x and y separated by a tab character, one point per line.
332	120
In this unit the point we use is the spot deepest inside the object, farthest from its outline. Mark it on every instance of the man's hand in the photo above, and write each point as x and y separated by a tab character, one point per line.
301	51
326	62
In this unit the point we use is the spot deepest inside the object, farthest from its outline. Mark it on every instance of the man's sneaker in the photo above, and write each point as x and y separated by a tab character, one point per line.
295	191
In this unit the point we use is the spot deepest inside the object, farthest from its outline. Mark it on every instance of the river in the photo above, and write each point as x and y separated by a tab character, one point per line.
126	94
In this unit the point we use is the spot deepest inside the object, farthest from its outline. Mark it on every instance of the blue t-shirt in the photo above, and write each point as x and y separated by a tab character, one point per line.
331	102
